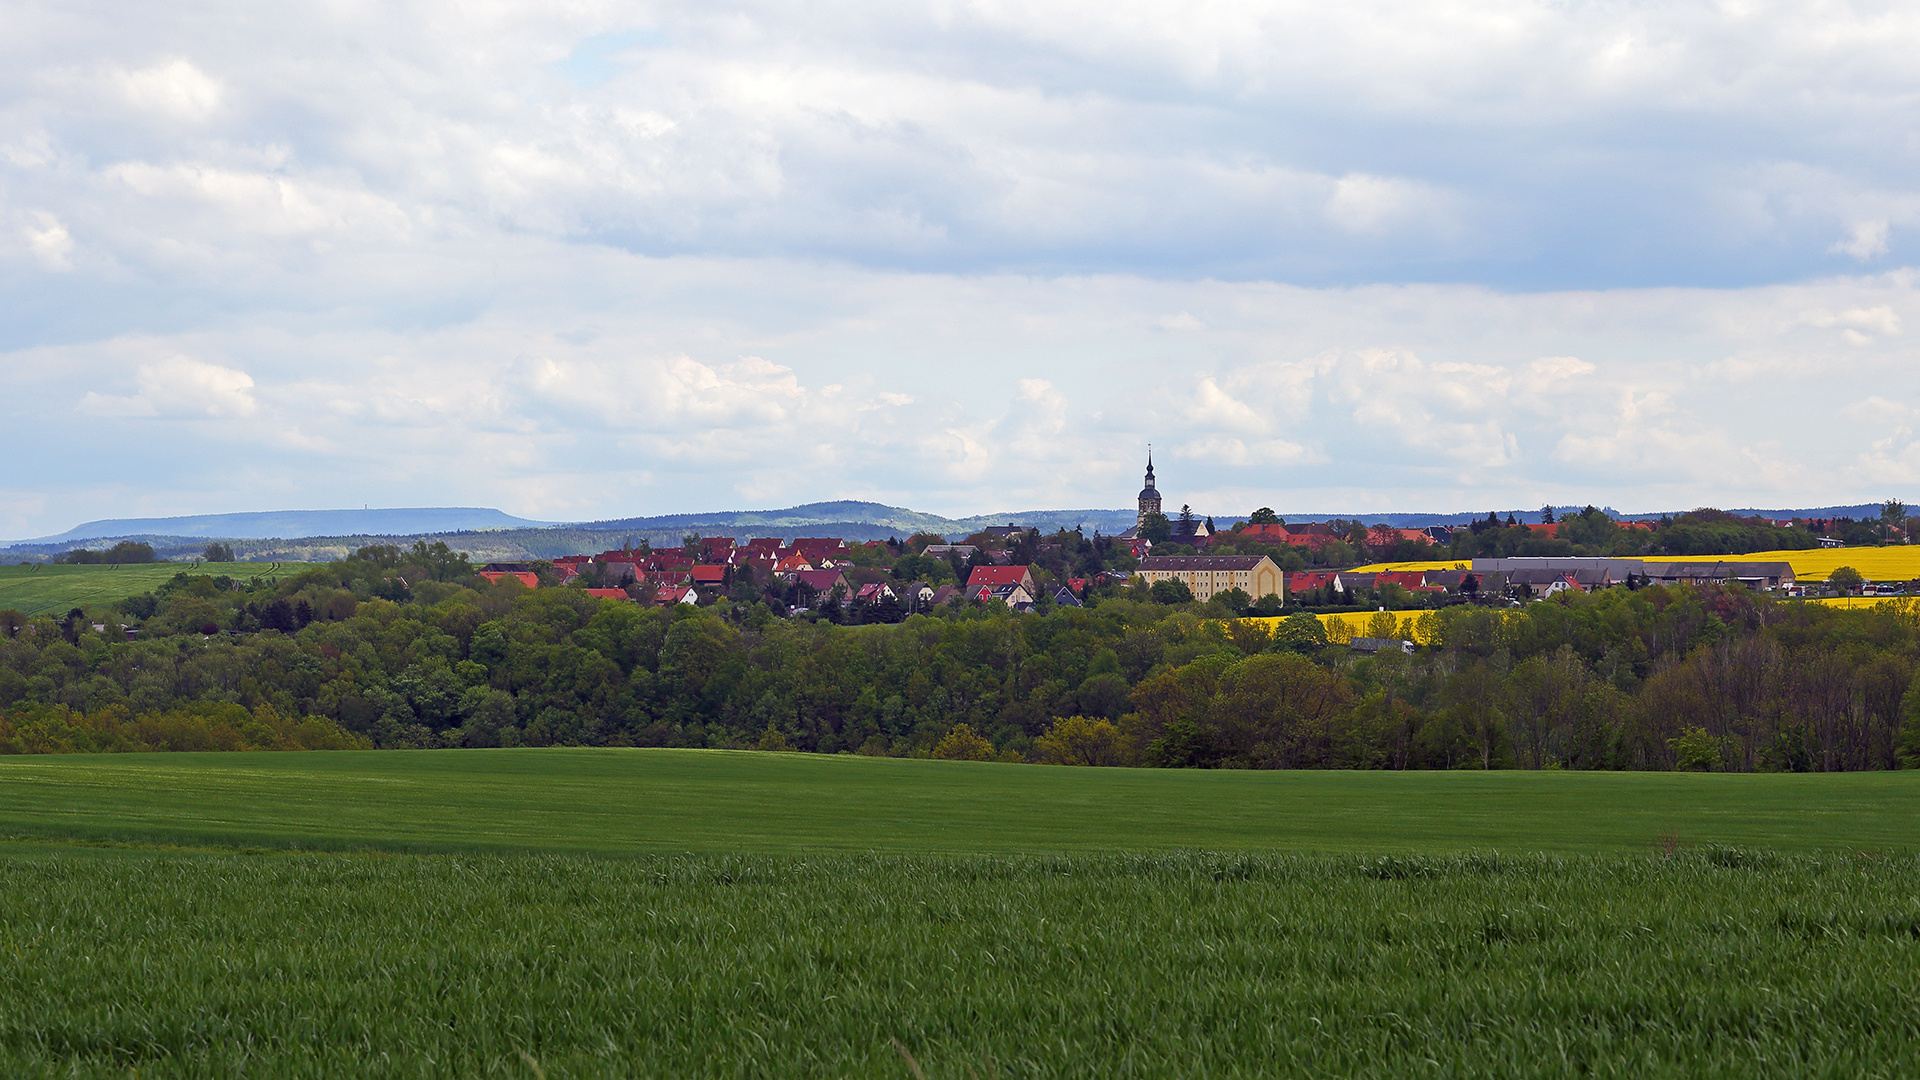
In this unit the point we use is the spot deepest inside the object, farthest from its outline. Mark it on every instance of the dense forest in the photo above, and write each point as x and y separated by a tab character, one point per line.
410	649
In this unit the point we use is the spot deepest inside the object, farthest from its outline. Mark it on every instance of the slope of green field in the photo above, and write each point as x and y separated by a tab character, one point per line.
611	801
56	590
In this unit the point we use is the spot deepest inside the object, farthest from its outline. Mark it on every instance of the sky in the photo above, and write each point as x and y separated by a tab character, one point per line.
590	260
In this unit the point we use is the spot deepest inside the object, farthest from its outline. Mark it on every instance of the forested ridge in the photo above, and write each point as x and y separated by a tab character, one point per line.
353	654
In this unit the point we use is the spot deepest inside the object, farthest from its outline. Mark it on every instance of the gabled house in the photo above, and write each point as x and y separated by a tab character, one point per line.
872	593
817	549
993	576
707	575
519	571
676	594
792	564
1305	581
823	582
1013	594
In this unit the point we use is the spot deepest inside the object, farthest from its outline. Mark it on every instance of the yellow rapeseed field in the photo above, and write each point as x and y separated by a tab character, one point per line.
1442	564
1812	564
1875	564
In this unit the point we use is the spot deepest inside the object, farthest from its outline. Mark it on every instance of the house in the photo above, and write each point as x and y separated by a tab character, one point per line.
519	571
709	576
609	594
1014	595
1065	598
1255	575
819	549
992	576
715	548
1542	583
874	593
1007	531
1078	585
943	551
676	594
917	595
1352	581
822	582
1306	581
792	564
621	571
943	594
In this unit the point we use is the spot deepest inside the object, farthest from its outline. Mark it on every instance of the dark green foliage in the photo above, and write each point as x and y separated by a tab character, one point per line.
120	554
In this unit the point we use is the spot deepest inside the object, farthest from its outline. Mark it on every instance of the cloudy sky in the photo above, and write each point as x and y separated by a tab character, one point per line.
583	260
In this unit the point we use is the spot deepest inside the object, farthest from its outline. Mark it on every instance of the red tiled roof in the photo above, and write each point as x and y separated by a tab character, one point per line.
608	594
998	575
709	575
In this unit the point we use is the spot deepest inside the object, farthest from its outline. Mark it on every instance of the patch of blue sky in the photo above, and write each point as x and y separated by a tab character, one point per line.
596	59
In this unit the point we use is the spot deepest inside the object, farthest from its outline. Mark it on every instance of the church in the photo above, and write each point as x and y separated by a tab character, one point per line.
1150	504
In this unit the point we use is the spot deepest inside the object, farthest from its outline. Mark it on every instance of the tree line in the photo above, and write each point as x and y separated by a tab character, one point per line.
407	648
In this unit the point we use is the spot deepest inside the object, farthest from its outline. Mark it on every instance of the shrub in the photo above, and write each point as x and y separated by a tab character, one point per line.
963	744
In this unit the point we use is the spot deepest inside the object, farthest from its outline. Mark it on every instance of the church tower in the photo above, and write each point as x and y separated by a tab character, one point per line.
1149	496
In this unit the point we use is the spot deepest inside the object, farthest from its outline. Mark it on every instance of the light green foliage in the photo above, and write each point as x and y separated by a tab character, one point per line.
1717	962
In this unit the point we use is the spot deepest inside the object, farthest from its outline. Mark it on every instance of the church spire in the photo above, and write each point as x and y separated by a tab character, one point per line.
1149	494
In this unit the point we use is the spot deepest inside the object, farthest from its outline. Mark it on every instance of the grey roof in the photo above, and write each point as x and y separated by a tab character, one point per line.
1202	562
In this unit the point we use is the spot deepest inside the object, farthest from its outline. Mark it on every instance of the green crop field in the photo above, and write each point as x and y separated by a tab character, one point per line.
56	590
614	913
608	801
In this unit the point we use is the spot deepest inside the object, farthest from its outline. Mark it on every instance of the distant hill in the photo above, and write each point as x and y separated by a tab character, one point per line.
891	520
293	524
489	535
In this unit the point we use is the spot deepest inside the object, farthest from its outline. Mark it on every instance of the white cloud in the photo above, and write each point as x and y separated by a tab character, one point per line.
49	241
180	386
173	88
1864	240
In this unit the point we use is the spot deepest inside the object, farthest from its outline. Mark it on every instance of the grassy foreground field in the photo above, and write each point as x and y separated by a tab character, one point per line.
833	917
1716	963
609	801
56	590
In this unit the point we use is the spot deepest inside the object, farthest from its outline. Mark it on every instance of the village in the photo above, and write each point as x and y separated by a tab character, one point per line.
1260	565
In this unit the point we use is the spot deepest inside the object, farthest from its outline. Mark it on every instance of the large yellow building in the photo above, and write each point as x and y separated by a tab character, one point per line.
1255	575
